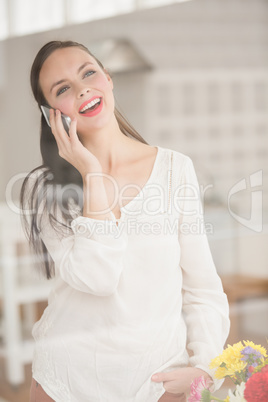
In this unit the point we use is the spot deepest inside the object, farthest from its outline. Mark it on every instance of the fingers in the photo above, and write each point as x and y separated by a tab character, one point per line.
72	130
53	123
69	146
159	377
56	122
58	130
59	125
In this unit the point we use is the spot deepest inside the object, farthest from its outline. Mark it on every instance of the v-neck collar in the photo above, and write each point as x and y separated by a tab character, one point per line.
133	204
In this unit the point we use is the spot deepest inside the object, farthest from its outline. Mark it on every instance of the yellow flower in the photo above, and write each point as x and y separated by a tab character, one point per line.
227	399
230	370
229	362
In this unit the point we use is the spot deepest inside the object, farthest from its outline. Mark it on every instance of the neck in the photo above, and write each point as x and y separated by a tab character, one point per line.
110	146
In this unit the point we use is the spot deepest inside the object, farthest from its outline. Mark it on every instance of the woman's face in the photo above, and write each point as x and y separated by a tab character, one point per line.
73	82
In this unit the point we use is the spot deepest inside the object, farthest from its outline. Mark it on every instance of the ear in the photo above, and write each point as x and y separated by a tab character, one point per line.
109	78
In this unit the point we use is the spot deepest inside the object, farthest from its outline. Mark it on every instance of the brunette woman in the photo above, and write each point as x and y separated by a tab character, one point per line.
115	221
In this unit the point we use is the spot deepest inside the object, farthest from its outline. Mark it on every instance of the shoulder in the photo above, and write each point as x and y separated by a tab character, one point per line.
181	167
179	159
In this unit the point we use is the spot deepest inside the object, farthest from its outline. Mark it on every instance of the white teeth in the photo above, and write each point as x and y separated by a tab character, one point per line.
90	104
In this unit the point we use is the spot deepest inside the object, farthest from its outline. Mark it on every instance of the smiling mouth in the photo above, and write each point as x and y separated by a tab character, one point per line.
91	106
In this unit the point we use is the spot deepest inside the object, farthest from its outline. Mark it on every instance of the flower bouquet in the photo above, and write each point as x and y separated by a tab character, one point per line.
246	364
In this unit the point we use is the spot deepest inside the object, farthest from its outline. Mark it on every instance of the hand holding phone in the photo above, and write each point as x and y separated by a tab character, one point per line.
66	120
72	151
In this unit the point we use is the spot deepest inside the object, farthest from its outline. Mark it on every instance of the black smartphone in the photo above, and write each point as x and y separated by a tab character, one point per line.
66	120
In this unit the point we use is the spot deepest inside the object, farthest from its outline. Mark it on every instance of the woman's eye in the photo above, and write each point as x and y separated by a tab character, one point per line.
61	90
88	73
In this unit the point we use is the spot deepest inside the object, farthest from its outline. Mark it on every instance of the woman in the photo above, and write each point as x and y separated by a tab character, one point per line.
131	291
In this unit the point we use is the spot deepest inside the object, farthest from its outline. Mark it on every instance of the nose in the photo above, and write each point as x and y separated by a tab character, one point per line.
83	92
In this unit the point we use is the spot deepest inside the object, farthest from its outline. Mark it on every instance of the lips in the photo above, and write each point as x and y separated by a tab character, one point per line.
91	107
87	102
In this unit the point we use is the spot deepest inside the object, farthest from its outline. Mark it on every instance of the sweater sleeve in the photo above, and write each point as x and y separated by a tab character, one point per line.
90	259
205	305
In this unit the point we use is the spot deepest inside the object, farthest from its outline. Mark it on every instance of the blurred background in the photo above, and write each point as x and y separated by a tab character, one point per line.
189	75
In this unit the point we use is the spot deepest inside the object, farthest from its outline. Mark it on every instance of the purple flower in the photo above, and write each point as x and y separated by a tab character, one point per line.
250	354
252	357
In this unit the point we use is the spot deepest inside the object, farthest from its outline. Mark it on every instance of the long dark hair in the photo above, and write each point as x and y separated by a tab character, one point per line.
38	193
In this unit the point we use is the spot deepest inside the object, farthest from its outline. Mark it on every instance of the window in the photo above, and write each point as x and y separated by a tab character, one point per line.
19	17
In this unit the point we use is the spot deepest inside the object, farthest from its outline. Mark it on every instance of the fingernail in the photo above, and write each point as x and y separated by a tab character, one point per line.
155	377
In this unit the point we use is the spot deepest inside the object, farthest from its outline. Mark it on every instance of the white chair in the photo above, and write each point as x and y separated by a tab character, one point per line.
20	285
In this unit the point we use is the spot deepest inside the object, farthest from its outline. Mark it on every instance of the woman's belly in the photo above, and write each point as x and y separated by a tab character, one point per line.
95	371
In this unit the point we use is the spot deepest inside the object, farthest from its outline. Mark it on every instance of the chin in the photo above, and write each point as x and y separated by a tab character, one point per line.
90	126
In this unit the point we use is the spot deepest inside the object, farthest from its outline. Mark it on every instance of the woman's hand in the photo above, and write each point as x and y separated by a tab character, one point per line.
70	147
179	380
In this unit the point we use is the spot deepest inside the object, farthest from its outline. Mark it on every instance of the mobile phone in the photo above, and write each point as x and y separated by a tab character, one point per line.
66	120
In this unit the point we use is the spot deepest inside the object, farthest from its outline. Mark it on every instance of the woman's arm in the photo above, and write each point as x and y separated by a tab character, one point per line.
91	258
73	151
205	306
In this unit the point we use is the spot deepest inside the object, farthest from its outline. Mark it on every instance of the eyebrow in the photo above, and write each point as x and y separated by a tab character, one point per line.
63	80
